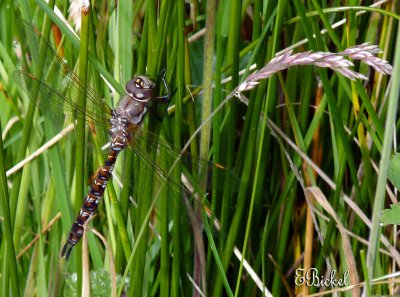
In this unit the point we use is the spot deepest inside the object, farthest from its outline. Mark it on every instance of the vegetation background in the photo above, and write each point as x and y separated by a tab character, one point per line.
303	151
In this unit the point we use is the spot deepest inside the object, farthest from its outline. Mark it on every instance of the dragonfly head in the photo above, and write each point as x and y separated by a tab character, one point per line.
140	88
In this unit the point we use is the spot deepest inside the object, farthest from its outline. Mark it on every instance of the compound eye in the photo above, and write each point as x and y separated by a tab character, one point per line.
139	83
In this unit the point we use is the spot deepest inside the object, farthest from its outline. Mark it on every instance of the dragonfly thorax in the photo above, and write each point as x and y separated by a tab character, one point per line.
130	111
126	116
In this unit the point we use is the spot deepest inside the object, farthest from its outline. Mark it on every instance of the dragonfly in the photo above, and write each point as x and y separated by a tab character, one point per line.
123	122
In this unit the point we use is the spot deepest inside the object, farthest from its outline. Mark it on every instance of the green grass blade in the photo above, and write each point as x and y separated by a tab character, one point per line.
384	163
8	238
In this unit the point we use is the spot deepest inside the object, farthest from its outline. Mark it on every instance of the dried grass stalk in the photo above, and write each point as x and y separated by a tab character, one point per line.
336	61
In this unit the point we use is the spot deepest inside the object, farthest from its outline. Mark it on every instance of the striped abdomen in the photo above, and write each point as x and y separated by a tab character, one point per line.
92	199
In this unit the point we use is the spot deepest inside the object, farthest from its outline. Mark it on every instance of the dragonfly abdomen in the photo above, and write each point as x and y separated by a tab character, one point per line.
94	196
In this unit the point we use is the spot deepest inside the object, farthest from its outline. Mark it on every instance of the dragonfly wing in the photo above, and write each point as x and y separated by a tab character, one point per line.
60	87
185	190
57	103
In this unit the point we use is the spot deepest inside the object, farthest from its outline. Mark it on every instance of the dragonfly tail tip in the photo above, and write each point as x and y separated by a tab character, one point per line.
66	251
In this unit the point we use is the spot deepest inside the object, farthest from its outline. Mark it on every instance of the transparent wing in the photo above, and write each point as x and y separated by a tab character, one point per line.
60	87
193	170
57	103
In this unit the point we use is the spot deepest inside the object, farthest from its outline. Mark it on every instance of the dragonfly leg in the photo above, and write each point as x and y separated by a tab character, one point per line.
165	98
